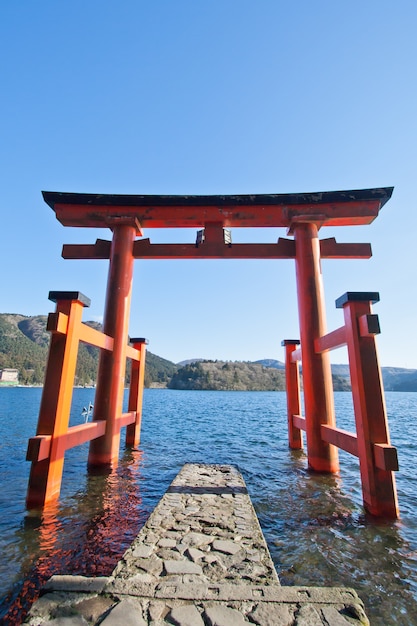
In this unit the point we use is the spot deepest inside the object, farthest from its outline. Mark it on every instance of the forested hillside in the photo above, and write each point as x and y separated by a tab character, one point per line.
19	351
24	346
222	376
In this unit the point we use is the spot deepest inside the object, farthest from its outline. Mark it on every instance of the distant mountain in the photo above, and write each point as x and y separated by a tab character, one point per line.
279	365
188	362
24	346
158	371
340	382
399	379
19	351
393	378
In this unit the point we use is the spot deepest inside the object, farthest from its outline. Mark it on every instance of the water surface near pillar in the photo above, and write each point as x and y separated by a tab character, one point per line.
315	525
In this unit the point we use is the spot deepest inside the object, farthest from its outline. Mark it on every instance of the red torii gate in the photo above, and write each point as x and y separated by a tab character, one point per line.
127	215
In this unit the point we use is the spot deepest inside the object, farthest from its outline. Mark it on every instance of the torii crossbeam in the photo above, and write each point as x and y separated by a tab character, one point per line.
302	214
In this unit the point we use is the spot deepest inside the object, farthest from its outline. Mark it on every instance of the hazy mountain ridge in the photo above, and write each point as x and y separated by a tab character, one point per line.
394	378
24	345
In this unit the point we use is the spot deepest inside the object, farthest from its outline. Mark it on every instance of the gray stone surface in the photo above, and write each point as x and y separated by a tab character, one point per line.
75	620
75	583
308	615
124	613
200	560
186	616
268	614
142	551
228	547
334	617
223	616
181	567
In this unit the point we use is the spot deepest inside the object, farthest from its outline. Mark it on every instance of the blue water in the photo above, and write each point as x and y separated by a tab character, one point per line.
315	525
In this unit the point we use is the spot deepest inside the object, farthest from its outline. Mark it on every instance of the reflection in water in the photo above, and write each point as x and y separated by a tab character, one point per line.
314	525
86	537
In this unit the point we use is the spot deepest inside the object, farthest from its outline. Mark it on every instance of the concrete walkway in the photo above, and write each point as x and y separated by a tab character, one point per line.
200	560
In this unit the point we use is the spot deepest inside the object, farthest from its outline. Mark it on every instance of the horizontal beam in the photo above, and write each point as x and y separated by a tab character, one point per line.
369	325
330	249
339	208
386	457
283	249
94	337
57	323
331	341
132	353
299	422
99	250
126	418
340	438
76	435
39	447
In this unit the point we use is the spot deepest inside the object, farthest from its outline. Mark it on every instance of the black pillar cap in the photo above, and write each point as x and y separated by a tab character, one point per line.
139	340
357	296
290	342
69	295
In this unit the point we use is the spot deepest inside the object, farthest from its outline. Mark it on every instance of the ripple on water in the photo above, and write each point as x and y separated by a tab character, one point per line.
315	525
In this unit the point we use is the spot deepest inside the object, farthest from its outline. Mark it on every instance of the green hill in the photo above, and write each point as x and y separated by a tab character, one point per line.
20	351
24	344
158	371
226	376
238	376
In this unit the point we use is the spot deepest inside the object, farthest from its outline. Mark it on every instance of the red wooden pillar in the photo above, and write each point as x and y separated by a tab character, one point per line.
292	378
317	377
377	458
108	402
54	413
137	377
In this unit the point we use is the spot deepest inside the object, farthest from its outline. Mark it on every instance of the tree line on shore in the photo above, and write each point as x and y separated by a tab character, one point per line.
24	345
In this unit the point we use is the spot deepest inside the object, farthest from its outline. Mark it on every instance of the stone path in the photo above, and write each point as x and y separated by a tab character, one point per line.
200	560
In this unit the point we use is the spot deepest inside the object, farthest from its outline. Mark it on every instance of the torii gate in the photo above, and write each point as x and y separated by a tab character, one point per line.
126	215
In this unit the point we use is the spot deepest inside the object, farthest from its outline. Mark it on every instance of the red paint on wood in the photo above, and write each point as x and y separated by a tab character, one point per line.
386	457
299	422
137	377
45	475
317	378
292	376
39	448
112	365
378	485
341	438
331	341
335	209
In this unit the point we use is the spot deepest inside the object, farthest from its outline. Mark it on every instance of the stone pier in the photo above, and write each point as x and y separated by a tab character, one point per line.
200	560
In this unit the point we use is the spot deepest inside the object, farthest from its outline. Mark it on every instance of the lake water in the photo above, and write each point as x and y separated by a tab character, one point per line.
314	525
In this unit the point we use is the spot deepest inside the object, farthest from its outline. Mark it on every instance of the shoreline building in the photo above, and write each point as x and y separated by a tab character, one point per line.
9	376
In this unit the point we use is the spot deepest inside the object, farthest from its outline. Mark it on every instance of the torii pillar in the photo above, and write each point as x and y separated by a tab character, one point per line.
317	376
104	451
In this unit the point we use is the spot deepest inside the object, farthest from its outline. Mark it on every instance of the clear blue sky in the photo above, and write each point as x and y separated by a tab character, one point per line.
210	97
